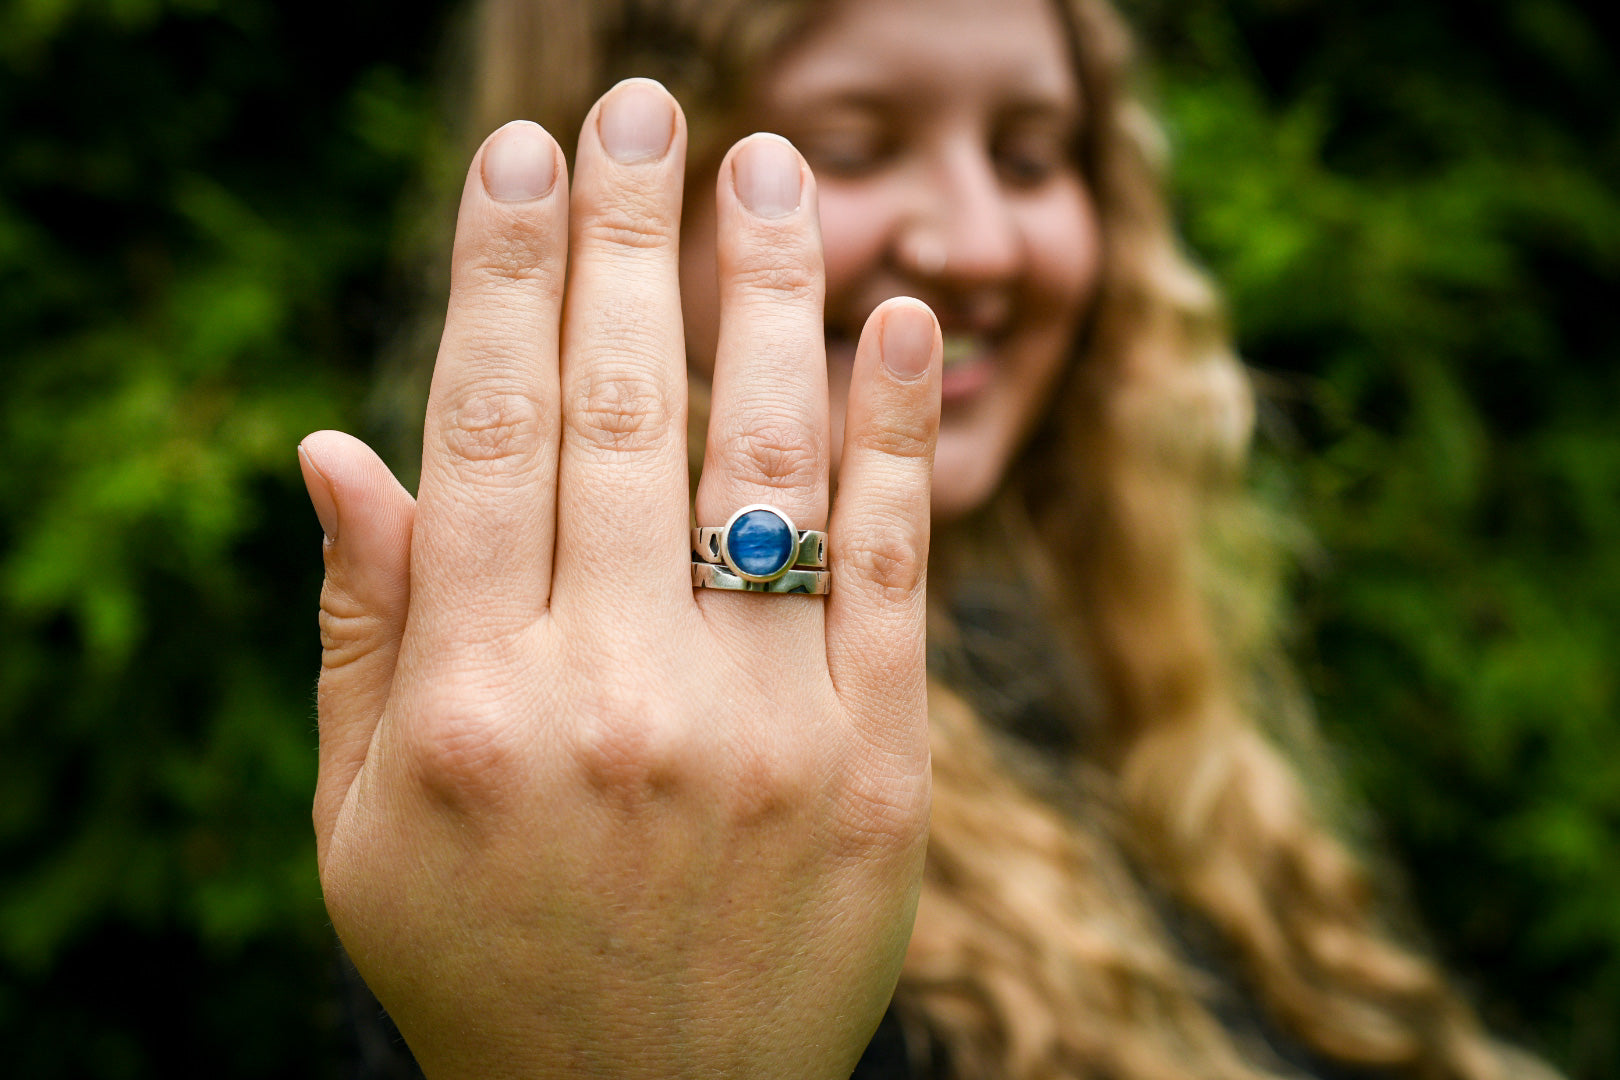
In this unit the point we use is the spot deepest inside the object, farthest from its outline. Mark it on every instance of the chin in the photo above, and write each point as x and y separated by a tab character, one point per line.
966	477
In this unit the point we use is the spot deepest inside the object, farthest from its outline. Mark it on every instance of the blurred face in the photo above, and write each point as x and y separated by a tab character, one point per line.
941	133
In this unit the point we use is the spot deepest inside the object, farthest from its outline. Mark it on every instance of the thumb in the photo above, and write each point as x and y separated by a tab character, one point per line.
367	517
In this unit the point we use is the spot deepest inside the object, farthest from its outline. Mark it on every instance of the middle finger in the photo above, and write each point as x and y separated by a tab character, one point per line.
622	514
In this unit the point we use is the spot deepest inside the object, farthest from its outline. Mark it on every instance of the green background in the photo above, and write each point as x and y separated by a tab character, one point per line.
206	216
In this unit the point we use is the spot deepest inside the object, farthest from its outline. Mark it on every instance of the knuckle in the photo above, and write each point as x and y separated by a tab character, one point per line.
888	562
633	753
514	258
349	631
897	439
619	412
780	276
494	428
638	224
764	787
777	455
466	757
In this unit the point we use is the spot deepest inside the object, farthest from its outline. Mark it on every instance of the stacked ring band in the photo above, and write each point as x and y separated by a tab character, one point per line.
760	550
801	582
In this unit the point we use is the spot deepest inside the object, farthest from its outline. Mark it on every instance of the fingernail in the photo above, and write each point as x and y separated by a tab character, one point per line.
520	163
636	122
766	174
908	340
320	494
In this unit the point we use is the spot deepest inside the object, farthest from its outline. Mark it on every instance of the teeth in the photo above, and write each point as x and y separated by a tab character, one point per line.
959	349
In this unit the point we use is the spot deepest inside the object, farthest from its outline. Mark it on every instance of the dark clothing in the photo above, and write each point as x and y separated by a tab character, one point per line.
886	1056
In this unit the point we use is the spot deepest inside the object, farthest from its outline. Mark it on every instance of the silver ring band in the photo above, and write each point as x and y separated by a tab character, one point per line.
812	547
802	582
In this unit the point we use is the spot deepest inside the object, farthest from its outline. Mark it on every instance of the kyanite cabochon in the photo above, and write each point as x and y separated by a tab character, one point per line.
760	543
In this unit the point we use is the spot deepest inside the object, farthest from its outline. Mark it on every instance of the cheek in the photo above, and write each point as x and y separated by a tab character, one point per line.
855	223
1065	250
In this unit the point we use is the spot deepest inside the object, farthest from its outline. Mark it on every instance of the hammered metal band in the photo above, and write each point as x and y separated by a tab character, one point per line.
801	582
759	544
812	547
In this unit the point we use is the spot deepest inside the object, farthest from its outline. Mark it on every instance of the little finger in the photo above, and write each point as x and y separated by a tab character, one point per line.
876	614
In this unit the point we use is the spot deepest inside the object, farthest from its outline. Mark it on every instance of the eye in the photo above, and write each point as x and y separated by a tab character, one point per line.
1028	159
846	153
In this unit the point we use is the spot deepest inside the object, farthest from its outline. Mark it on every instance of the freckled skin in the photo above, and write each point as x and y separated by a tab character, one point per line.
940	132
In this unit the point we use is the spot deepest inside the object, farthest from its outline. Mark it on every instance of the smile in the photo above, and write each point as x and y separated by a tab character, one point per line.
969	365
968	360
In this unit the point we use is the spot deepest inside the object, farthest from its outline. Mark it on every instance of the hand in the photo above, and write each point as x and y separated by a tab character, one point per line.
574	817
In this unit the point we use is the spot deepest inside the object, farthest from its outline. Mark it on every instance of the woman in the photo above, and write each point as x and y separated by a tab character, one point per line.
575	814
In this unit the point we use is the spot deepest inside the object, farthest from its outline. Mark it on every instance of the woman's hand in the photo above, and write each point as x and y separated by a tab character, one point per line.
573	816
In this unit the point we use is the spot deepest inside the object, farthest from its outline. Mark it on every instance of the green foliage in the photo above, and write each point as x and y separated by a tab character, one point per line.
195	207
1416	214
1413	210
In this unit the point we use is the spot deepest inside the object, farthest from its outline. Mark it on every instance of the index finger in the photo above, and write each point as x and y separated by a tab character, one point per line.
486	507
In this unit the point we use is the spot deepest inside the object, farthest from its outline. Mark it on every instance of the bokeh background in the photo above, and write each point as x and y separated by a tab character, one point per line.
210	214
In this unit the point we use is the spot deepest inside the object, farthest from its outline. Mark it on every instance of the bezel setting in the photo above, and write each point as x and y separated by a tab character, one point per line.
793	543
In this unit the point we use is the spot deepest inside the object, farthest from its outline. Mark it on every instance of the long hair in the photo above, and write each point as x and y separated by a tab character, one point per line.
1041	947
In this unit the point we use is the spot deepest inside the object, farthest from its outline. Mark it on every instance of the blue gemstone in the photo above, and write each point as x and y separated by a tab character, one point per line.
760	543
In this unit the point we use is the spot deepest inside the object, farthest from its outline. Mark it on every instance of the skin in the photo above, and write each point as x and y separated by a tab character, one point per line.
574	817
940	132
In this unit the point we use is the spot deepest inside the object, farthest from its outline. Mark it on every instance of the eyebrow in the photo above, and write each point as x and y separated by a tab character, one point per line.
1022	104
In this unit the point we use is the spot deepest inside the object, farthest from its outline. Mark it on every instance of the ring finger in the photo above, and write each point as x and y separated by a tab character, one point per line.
768	427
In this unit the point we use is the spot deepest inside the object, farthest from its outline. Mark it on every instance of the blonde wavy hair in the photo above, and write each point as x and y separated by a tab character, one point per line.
1040	948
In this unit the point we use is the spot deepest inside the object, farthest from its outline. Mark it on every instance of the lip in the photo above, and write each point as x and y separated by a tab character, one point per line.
965	383
969	362
969	367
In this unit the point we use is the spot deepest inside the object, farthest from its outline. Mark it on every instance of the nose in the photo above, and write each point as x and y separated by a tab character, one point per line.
962	230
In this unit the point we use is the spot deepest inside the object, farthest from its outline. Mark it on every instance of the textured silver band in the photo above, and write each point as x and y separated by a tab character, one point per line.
812	547
802	582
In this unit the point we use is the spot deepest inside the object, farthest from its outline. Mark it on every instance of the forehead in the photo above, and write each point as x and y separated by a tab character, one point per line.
946	49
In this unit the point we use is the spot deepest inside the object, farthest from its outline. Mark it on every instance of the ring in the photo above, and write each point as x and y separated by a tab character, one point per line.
802	582
758	545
